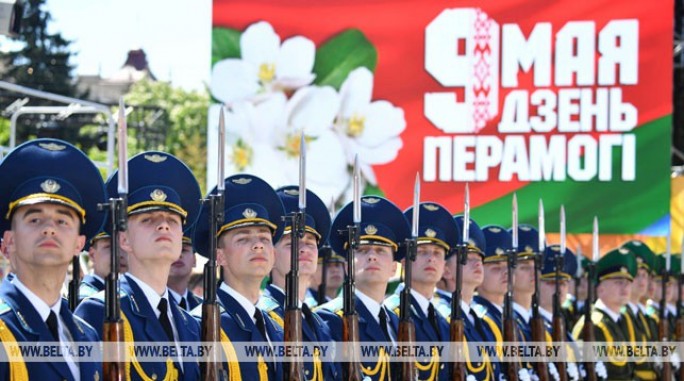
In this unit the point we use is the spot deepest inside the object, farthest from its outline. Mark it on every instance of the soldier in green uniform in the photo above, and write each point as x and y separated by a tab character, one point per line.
615	272
634	322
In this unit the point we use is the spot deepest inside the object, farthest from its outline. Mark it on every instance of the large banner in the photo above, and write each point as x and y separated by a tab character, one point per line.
566	101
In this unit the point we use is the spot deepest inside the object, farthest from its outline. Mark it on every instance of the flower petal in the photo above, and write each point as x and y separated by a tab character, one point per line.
382	154
296	59
356	92
327	173
312	109
233	80
383	121
259	44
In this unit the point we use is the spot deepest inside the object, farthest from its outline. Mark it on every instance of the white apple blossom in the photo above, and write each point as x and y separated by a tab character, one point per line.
368	128
265	66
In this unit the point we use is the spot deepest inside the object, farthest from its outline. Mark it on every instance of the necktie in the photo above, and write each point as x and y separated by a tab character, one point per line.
261	326
432	317
51	322
164	318
309	319
183	304
383	324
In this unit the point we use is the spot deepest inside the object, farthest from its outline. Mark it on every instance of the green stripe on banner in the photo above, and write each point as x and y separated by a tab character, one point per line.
622	207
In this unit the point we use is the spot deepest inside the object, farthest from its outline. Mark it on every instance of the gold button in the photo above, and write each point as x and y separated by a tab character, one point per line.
154	376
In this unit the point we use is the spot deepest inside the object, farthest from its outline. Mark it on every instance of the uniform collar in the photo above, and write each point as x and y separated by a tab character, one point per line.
546	314
372	306
150	294
524	313
178	297
422	301
248	306
602	306
39	304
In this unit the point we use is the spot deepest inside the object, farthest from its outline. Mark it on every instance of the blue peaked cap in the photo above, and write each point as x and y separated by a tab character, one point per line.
51	171
159	181
569	268
435	225
248	201
499	243
528	241
476	238
382	223
317	217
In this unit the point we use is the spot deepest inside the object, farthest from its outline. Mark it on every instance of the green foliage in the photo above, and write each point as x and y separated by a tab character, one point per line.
340	55
187	113
225	43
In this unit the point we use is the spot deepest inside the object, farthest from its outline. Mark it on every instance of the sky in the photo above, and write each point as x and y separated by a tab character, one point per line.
175	35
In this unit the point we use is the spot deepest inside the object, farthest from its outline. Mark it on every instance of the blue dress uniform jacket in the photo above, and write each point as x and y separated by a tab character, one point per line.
90	286
314	329
573	352
145	327
369	331
193	301
26	325
428	368
239	327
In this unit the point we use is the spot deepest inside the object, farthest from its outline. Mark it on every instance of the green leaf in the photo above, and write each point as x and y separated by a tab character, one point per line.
225	43
372	190
340	55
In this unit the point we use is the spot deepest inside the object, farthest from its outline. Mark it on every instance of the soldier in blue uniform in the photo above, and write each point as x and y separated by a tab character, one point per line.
437	236
615	272
163	198
316	230
181	271
50	191
99	252
251	223
475	329
383	230
523	288
335	267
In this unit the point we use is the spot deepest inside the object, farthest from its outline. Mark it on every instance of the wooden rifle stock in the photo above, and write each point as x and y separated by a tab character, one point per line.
407	330
209	331
539	336
292	368
509	337
588	328
558	319
113	324
663	332
324	252
456	325
351	369
679	327
293	334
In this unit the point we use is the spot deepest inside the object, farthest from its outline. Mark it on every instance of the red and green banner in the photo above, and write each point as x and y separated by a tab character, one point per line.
565	101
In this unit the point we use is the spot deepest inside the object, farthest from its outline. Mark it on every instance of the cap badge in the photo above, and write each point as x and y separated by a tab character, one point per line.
242	181
623	269
430	233
158	195
50	186
525	228
528	249
155	158
371	200
52	146
499	251
555	248
249	213
623	251
291	192
370	229
431	207
494	229
637	243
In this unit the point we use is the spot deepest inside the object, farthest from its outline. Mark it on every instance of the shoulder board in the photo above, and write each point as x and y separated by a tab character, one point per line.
276	318
334	306
596	317
100	295
444	310
479	309
392	302
86	290
4	307
267	303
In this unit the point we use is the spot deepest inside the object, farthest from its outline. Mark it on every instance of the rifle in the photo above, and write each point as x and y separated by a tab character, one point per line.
663	326
293	370
325	253
537	322
118	214
75	282
679	329
456	325
351	369
558	319
588	328
209	370
509	331
407	329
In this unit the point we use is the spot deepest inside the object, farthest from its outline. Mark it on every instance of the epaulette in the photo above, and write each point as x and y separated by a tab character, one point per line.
392	302
479	309
333	306
444	310
267	303
596	317
87	290
197	311
4	307
100	295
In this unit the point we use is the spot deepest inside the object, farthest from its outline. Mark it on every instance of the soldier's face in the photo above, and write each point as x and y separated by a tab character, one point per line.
548	287
524	277
473	270
640	283
246	253
43	235
153	237
184	265
495	278
308	254
429	264
614	292
374	265
335	274
100	252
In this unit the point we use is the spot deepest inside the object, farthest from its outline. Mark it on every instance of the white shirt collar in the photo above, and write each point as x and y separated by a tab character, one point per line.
372	305
41	307
643	308
545	314
422	301
634	307
525	313
178	297
248	306
671	309
152	297
602	306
